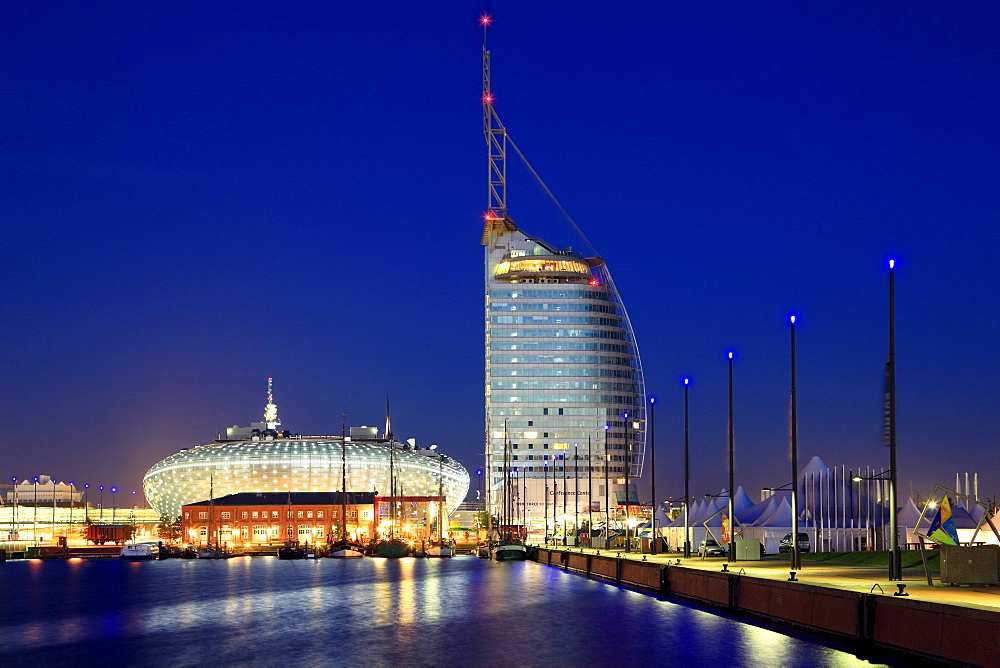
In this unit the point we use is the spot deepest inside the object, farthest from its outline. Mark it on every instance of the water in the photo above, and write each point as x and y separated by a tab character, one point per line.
407	612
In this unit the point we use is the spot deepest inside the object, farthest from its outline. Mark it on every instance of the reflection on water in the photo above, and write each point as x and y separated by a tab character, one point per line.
371	611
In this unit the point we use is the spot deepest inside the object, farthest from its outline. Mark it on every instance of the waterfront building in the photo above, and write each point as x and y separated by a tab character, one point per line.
271	518
562	369
265	461
43	489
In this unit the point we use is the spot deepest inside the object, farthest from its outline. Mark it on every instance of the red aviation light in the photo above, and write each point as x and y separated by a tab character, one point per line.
594	281
485	19
487	99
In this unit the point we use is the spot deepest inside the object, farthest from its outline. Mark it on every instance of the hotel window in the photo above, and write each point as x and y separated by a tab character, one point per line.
366	514
225	515
309	514
334	514
301	513
244	532
319	514
202	531
319	532
243	514
290	531
274	513
187	516
255	514
290	515
203	516
354	514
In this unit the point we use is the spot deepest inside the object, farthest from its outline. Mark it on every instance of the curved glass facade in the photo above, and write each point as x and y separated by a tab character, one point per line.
561	365
298	465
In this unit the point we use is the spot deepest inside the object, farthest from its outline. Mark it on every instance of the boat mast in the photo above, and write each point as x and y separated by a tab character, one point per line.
392	473
343	481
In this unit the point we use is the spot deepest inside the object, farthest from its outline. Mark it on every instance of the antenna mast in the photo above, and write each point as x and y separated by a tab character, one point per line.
496	147
271	409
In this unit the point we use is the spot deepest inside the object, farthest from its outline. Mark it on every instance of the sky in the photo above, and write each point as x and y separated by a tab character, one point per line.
198	196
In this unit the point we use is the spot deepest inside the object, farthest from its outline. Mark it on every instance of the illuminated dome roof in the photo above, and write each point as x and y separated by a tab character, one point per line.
299	464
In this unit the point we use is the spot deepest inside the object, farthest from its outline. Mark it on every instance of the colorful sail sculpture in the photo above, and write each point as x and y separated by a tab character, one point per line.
942	529
725	530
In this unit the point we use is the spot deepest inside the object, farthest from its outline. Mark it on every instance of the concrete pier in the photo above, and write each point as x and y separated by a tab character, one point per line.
860	604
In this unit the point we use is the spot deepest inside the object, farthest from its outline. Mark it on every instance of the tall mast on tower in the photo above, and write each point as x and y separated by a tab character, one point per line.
496	147
271	420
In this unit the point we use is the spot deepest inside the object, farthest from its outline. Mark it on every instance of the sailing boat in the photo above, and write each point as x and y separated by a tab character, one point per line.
441	549
393	548
343	549
510	547
209	552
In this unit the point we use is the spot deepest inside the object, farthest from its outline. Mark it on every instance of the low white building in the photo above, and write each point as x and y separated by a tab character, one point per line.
43	489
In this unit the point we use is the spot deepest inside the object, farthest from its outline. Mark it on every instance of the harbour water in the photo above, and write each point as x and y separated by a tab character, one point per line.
461	611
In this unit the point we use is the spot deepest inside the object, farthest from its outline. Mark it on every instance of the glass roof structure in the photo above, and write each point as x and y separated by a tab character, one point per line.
300	464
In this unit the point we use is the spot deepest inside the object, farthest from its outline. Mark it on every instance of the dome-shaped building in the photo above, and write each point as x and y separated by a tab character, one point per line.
263	460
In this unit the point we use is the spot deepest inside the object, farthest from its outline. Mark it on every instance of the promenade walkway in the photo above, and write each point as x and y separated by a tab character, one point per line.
861	579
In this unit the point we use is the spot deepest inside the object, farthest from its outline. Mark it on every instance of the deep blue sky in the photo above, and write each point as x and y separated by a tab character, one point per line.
196	196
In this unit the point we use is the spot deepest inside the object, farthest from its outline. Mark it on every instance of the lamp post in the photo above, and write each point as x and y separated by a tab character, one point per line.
565	517
34	531
53	509
895	567
687	490
796	557
72	498
114	506
607	490
13	516
576	493
732	519
590	492
652	467
86	507
545	472
628	452
101	516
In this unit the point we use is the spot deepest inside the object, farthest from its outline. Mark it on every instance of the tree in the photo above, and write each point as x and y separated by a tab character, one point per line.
169	530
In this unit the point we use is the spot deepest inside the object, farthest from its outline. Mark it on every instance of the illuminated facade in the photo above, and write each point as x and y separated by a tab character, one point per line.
303	464
561	364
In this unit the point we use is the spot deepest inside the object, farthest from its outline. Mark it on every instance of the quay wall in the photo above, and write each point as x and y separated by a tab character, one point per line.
921	628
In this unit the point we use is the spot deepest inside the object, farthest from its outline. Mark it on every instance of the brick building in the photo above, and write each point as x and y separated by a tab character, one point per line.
271	518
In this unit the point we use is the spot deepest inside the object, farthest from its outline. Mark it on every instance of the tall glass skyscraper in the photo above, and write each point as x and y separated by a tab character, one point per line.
562	370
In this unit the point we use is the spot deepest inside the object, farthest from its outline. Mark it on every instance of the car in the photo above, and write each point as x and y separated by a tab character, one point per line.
710	548
785	545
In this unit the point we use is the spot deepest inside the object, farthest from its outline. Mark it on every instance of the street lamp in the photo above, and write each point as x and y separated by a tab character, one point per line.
895	567
545	473
576	494
628	458
114	506
687	490
652	467
796	557
34	531
13	516
607	489
732	519
72	499
101	516
86	506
